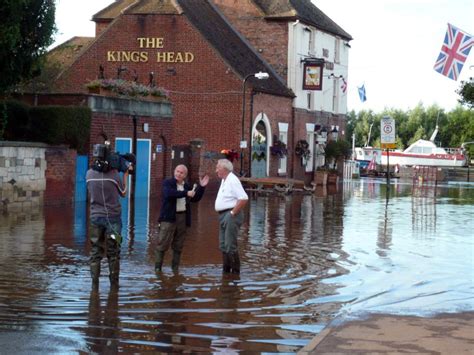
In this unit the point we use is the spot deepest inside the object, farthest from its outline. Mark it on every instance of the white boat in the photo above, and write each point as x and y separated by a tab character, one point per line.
421	153
425	153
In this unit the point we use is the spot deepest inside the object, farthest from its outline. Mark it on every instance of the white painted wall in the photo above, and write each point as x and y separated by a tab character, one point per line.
323	45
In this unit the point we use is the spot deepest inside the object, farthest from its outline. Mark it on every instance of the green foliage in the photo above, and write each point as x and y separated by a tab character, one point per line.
466	91
455	127
56	125
62	125
26	30
16	120
337	149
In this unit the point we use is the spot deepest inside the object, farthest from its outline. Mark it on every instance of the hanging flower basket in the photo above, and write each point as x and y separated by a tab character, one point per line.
278	148
302	149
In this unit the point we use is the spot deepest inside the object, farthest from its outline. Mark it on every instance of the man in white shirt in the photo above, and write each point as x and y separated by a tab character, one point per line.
230	201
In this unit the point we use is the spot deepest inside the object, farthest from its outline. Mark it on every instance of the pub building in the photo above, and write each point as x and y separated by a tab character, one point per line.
251	77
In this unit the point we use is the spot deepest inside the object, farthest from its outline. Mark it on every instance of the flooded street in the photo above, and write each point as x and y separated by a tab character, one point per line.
307	261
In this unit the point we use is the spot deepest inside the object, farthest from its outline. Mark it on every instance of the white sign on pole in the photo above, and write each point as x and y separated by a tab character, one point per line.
387	132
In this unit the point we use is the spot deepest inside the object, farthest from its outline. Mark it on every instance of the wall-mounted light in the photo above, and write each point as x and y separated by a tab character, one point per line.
146	127
335	133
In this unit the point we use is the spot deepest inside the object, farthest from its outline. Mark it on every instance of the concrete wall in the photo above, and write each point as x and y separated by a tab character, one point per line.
35	174
22	175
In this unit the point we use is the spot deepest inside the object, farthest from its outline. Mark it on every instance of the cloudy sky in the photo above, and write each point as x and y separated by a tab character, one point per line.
396	43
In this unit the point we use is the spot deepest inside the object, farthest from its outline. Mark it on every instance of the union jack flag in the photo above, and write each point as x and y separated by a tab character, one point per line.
454	52
344	86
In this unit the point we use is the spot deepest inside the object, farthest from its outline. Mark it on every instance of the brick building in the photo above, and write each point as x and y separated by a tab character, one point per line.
205	54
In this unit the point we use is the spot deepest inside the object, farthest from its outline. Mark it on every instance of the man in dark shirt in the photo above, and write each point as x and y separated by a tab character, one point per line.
175	214
105	190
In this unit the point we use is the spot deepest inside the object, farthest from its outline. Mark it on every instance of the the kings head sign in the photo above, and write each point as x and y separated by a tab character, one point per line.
150	49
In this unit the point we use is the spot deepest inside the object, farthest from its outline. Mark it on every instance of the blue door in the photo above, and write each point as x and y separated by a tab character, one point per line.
142	186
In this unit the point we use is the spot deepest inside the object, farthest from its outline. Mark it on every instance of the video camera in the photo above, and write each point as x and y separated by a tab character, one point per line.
105	160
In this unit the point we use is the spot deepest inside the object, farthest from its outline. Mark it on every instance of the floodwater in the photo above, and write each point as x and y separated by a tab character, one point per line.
308	261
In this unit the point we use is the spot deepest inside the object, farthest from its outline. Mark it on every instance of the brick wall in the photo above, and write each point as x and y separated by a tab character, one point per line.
60	176
121	126
205	94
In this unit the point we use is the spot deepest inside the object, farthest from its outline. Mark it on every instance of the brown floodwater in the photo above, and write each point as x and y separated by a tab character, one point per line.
308	261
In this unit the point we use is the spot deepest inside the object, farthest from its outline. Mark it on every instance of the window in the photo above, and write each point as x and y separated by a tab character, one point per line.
310	140
335	95
283	136
337	51
307	40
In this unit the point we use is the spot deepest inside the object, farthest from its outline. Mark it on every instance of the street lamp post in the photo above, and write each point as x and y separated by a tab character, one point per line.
261	76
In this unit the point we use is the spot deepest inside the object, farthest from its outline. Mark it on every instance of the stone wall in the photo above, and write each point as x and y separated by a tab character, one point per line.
22	175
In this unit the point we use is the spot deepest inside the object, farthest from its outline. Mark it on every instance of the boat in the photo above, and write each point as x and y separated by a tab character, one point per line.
426	153
421	153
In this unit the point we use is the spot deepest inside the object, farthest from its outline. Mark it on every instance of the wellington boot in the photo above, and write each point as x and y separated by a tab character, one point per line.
114	271
175	261
160	255
95	274
225	262
235	263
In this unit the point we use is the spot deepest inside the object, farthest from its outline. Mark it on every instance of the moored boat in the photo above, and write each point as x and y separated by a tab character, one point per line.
426	153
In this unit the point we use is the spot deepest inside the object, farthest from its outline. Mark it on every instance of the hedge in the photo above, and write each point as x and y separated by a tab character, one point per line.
56	125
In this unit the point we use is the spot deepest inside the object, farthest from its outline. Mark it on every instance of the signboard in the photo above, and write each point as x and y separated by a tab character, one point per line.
313	76
387	133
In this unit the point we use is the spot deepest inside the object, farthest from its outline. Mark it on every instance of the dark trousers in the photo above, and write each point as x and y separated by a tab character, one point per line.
103	231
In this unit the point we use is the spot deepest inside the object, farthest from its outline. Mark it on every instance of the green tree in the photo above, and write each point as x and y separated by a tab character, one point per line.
26	30
466	91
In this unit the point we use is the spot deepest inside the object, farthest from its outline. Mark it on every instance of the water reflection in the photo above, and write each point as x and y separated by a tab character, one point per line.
306	261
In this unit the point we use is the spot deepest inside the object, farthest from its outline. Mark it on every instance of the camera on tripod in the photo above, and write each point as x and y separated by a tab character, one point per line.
105	159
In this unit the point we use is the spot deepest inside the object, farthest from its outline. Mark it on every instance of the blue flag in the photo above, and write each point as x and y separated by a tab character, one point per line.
362	95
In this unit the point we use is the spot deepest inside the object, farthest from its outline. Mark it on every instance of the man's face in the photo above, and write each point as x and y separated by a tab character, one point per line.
180	174
221	172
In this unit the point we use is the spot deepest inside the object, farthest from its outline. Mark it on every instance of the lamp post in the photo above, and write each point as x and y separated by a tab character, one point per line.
243	144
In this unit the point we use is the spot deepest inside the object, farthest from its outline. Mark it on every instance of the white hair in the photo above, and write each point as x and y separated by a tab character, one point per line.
226	164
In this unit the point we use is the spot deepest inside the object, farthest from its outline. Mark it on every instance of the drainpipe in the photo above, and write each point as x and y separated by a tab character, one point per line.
134	151
252	94
292	166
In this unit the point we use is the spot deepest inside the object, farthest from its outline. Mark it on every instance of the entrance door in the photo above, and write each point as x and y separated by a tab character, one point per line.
259	151
142	186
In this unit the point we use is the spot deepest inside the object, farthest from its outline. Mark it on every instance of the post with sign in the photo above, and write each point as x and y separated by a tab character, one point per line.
387	139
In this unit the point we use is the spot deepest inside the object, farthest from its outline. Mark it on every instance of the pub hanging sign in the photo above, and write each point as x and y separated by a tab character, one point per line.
313	75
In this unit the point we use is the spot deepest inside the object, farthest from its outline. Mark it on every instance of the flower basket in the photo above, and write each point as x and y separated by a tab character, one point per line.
278	148
126	89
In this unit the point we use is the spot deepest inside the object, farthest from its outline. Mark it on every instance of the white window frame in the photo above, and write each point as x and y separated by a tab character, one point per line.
283	136
310	140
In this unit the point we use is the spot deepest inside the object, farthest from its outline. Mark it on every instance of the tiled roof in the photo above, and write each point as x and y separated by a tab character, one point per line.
161	7
113	10
57	59
303	10
232	47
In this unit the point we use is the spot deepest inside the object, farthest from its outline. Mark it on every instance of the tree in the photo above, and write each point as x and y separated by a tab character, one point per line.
26	31
466	91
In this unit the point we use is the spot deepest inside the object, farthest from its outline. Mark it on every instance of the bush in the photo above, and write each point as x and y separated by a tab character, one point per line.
14	120
56	125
